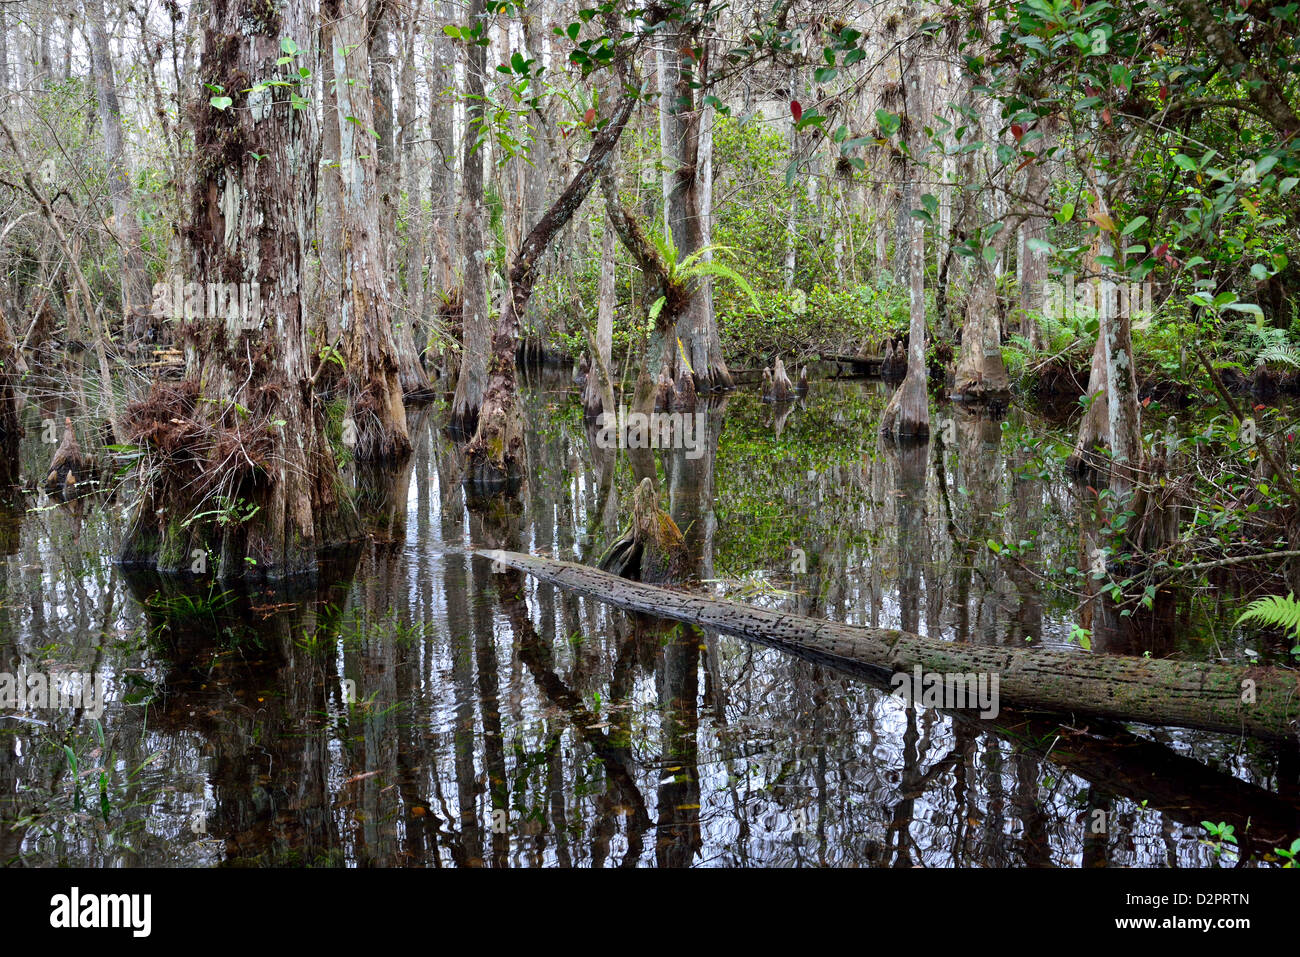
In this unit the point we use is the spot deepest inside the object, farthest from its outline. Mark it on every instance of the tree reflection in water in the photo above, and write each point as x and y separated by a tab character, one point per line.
419	708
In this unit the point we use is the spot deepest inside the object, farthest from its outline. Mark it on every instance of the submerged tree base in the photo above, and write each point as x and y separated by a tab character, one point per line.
231	494
484	481
653	548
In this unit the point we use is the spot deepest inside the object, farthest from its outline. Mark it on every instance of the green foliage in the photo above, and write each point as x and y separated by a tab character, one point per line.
1291	854
825	320
1275	611
1268	345
1219	835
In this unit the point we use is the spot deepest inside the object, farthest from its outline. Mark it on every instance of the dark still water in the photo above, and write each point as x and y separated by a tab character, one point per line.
427	710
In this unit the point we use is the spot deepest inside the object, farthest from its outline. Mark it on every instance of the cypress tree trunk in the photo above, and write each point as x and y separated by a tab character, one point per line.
442	178
240	477
980	371
686	217
378	19
476	324
908	413
599	393
135	284
411	329
495	457
1032	262
11	429
378	418
330	268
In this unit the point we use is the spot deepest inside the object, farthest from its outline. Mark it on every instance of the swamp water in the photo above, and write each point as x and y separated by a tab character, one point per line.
425	709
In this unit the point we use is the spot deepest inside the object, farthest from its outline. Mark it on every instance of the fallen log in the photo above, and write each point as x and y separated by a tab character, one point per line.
1232	699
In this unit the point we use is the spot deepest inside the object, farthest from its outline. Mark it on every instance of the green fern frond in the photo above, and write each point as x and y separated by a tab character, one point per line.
667	248
726	272
1274	612
706	251
1284	354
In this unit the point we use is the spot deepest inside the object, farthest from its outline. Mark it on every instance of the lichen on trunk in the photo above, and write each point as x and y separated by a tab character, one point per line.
238	477
377	417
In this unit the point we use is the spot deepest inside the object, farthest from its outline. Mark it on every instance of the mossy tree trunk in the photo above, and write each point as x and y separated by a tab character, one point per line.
239	477
476	323
378	418
686	154
1232	699
907	416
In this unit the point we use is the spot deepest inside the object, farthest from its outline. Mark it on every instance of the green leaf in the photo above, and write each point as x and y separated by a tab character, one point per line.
221	102
810	118
1133	225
